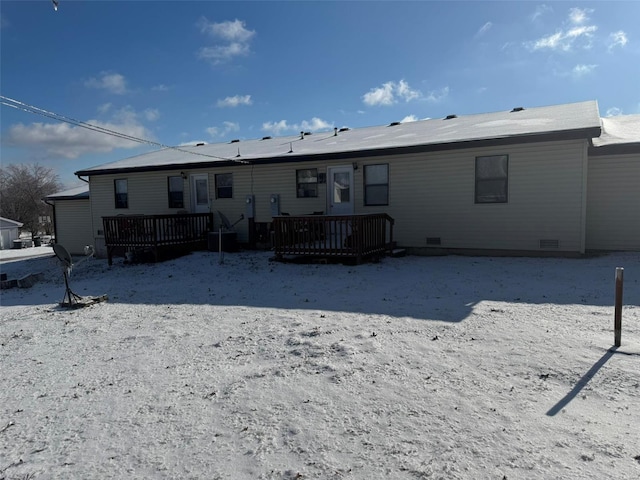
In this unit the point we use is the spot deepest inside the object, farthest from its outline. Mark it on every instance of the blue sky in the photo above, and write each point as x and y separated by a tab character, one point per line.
179	72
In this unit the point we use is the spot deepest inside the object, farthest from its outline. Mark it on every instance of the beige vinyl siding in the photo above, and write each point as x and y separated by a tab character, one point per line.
613	203
430	195
73	225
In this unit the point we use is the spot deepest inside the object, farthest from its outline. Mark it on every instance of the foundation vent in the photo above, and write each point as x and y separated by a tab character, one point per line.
549	244
434	241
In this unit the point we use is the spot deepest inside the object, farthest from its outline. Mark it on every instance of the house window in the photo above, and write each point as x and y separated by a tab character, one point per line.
224	185
376	184
307	182
121	193
176	192
492	179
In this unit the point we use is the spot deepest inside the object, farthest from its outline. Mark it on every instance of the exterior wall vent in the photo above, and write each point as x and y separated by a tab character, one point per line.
199	144
235	140
517	109
449	117
266	138
434	241
549	244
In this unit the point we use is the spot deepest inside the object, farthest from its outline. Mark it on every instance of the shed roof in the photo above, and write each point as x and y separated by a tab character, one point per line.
6	223
574	120
76	193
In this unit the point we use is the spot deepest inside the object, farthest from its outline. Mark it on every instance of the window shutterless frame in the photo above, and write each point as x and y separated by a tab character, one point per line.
121	193
376	184
224	185
175	186
307	183
492	179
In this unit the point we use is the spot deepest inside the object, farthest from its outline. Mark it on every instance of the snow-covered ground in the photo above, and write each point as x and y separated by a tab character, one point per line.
412	368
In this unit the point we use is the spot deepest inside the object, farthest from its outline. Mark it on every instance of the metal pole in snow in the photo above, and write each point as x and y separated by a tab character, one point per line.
618	309
220	254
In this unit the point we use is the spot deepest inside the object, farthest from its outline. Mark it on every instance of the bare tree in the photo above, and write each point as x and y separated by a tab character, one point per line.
22	188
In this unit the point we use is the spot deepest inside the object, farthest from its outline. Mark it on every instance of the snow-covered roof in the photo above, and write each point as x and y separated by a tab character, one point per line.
6	223
575	120
621	130
72	194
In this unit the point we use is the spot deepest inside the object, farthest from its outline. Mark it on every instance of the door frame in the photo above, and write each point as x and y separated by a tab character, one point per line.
195	208
350	206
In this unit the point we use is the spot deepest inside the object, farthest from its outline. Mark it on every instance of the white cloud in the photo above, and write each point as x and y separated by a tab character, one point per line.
235	101
565	39
234	35
160	88
405	92
152	114
540	10
229	31
104	108
409	118
231	126
613	111
227	127
436	96
483	29
582	70
64	140
313	125
389	93
277	127
112	82
617	39
578	16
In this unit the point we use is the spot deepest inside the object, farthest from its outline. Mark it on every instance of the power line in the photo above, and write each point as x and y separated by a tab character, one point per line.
10	102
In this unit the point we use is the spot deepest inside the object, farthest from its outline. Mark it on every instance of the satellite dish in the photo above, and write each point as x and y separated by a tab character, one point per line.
71	299
63	255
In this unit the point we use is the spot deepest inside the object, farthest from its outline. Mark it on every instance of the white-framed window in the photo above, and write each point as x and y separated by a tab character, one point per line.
492	179
376	184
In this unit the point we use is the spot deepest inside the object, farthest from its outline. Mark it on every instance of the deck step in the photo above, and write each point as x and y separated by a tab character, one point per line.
398	252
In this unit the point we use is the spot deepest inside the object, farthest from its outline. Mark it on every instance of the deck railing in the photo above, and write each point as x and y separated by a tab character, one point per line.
131	232
342	236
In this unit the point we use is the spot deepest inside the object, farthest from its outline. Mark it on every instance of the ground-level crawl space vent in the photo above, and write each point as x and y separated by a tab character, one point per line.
433	241
549	244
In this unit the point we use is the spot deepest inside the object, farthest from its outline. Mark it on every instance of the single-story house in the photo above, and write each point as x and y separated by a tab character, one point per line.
72	219
510	182
9	231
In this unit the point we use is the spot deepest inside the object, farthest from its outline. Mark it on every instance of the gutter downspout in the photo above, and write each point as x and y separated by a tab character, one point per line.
55	221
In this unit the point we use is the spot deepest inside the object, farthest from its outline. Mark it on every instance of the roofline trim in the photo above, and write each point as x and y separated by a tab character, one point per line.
578	134
614	149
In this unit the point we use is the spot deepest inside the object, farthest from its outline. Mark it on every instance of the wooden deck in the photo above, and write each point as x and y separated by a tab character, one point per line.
355	237
134	233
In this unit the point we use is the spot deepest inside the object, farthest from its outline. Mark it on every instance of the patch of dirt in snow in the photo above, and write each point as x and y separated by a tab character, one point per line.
412	368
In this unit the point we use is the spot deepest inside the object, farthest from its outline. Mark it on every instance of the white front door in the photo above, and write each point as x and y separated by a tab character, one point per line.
340	190
200	193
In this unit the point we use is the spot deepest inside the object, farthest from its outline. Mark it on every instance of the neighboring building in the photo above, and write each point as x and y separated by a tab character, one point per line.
613	207
72	219
510	182
9	231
